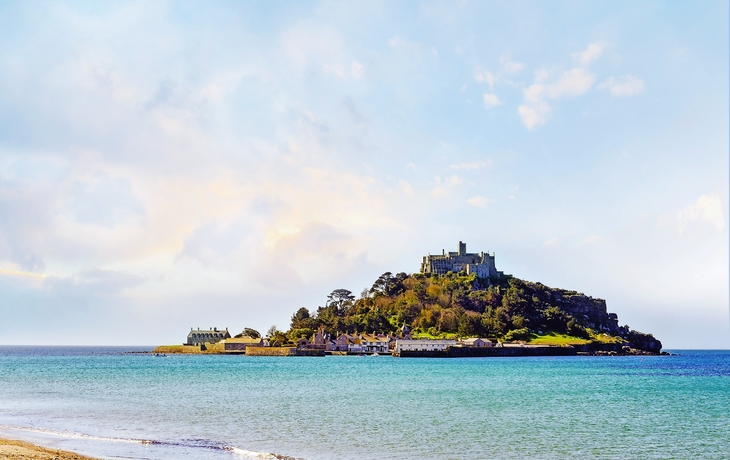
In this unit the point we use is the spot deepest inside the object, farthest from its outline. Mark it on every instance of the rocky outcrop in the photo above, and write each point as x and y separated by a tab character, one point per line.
587	310
644	342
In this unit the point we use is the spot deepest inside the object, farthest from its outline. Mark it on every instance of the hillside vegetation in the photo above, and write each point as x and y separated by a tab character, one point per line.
461	305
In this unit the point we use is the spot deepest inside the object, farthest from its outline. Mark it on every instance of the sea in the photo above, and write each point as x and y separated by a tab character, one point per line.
114	402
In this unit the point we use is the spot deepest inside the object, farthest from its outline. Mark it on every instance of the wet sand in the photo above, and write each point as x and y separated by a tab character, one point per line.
21	450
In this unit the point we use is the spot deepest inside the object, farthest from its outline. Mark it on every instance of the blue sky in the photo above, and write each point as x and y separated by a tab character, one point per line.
166	165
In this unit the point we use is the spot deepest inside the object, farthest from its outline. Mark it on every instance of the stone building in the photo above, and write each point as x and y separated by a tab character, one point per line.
480	263
203	336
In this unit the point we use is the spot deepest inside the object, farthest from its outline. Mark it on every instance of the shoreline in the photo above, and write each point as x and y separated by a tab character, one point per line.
16	449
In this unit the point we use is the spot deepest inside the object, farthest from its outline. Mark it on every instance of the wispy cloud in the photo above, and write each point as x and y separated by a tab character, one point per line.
550	242
491	100
625	85
590	54
479	201
443	186
707	209
590	240
471	165
551	85
356	69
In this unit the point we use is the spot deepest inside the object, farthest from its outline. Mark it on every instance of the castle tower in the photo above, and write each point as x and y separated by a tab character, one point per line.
462	248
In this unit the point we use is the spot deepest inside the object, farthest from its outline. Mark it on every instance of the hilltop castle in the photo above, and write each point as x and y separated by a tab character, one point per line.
482	263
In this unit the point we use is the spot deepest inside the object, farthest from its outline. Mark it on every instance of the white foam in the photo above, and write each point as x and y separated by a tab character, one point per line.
73	434
263	455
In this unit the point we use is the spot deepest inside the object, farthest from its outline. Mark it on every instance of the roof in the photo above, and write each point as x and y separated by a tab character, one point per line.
243	340
474	339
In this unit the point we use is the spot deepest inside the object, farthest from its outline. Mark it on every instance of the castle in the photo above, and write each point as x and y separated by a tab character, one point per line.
482	263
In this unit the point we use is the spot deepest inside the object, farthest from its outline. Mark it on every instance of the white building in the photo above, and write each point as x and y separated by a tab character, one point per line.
422	345
374	343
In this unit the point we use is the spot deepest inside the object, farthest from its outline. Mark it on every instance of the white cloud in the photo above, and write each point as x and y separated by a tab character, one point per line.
708	209
550	242
590	240
356	69
491	100
398	41
443	187
472	165
333	69
484	76
406	188
625	85
535	110
590	54
512	66
479	201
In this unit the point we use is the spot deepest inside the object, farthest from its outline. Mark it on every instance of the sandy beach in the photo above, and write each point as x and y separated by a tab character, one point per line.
21	450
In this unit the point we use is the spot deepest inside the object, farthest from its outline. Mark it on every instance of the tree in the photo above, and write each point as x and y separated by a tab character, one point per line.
299	319
272	331
341	300
389	285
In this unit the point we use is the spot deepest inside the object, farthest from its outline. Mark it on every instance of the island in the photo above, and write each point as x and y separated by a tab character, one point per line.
458	305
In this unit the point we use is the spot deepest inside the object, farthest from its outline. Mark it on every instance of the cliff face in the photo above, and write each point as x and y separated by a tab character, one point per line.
592	312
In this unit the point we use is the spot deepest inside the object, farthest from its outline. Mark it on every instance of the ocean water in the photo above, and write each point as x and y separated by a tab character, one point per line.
107	403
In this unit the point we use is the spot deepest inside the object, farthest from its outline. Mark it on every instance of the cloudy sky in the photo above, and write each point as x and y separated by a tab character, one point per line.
167	165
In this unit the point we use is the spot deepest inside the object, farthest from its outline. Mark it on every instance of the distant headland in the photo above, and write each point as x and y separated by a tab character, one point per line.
458	305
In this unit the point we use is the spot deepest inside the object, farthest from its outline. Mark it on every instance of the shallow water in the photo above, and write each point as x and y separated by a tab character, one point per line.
103	402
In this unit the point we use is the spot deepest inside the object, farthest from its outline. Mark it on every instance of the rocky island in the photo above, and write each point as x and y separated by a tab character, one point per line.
456	296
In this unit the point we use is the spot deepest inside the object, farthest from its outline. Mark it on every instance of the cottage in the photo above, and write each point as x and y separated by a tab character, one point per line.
476	342
240	343
201	337
340	343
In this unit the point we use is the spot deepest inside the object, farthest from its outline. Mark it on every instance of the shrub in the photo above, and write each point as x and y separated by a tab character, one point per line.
518	334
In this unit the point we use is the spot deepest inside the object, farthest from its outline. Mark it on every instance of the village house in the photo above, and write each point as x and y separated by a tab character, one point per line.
475	342
374	343
240	343
203	336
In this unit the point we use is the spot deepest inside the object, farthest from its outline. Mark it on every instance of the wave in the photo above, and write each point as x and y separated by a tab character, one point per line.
75	435
190	443
262	455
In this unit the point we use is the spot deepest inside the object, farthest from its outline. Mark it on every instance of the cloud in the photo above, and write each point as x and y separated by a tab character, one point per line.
94	281
443	187
356	69
625	85
333	69
550	242
535	109
491	100
472	165
398	41
106	201
513	67
708	210
590	240
485	76
590	54
479	201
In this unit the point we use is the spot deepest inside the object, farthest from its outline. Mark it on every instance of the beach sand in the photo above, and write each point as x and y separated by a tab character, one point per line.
21	450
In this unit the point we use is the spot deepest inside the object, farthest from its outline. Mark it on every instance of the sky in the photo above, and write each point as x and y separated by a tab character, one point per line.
168	165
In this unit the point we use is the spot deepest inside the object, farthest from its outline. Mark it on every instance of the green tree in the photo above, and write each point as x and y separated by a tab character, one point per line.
340	300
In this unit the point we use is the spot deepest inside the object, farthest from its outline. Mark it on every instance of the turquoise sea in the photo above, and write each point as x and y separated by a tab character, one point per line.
104	402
